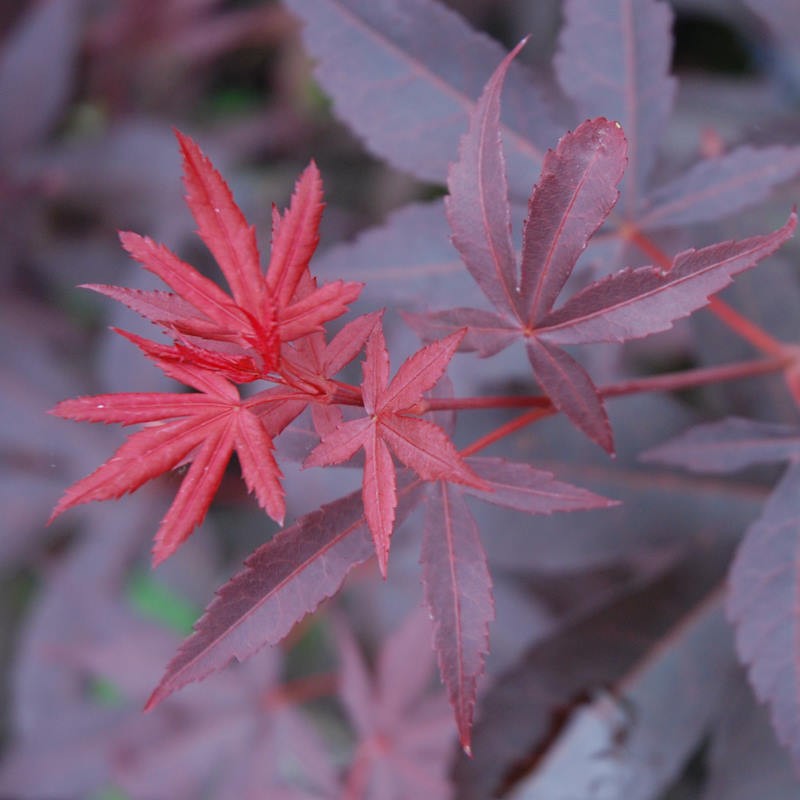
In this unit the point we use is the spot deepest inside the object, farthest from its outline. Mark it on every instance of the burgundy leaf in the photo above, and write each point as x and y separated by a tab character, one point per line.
524	488
764	586
613	60
729	445
369	52
571	390
611	646
575	193
458	591
477	207
282	581
720	186
487	333
637	302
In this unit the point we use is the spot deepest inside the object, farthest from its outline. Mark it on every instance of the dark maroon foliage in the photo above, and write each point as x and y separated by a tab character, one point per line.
543	617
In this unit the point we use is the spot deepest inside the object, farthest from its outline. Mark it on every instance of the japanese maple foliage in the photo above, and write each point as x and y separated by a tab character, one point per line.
219	338
267	376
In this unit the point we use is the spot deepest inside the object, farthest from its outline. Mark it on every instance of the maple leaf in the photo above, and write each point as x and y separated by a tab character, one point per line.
576	192
458	586
404	730
205	428
764	580
239	335
390	426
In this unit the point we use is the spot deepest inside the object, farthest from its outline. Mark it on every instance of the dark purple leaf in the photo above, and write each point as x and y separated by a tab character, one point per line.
405	74
575	193
728	446
637	302
524	488
571	390
527	705
477	207
282	581
458	591
409	257
764	585
487	333
720	186
404	734
613	61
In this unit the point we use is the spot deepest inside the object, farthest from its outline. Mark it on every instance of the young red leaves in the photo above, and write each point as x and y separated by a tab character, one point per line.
575	194
219	340
204	428
239	335
392	426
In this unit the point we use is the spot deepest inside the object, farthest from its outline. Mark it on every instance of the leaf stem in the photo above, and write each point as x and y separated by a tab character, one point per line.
671	381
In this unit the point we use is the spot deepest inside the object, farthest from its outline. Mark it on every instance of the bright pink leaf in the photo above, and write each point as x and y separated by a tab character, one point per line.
392	427
204	428
222	227
295	237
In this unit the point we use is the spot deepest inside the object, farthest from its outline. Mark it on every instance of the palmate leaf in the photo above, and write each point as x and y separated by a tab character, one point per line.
764	580
391	426
242	332
282	581
641	642
576	192
458	587
205	428
435	65
613	60
404	730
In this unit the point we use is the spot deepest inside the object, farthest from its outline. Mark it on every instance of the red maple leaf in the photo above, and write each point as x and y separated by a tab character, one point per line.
392	426
204	427
239	335
219	339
